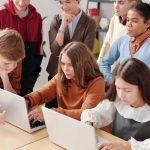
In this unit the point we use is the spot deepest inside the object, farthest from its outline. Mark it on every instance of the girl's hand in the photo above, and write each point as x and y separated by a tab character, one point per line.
36	114
123	145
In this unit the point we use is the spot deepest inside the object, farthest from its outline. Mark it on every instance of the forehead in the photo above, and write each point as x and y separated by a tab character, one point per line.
134	14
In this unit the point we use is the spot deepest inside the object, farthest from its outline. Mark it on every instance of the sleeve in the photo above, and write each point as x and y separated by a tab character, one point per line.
90	34
101	116
54	27
106	43
108	60
140	145
43	94
15	77
92	98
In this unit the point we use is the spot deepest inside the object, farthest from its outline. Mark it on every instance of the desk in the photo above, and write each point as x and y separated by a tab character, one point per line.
46	144
12	137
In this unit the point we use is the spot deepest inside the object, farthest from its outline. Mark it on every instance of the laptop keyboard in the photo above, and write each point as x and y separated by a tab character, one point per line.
37	123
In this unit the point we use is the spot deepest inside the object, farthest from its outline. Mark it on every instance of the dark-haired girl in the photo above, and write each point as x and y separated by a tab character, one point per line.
127	107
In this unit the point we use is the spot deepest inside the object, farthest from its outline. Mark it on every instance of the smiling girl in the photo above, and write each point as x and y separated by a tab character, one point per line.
127	107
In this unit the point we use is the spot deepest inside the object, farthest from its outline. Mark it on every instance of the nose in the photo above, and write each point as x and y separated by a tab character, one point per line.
65	68
116	6
121	94
129	24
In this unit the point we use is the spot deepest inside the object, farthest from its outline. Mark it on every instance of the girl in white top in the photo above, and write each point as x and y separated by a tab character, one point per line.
127	107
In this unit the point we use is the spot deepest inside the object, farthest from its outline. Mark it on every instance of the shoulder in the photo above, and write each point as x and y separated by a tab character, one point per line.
98	81
87	18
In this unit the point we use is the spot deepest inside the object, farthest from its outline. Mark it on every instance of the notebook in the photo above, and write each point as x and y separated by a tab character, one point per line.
16	111
68	132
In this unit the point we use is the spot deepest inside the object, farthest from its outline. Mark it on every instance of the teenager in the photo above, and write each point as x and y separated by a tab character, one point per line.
135	44
117	26
78	84
12	52
23	17
72	25
127	107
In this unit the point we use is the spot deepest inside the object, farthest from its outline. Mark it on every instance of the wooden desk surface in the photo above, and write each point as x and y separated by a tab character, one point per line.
12	137
46	144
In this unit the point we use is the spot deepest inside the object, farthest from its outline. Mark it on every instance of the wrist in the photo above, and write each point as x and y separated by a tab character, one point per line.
61	30
28	102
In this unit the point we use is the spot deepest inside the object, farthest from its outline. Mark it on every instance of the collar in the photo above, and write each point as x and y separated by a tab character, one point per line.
77	17
139	39
129	112
122	21
24	14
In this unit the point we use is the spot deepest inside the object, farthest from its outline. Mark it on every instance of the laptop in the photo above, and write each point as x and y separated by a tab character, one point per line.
16	111
69	133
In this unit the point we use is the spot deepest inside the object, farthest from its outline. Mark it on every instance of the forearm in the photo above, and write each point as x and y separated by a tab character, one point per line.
7	85
60	36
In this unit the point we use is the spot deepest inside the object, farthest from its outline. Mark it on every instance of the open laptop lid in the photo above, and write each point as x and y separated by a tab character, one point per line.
68	132
16	111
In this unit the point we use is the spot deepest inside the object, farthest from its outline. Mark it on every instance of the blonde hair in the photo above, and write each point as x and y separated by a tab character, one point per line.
11	45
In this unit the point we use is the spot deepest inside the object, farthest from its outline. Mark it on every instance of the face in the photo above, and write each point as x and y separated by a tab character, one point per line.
21	5
121	7
129	93
69	6
67	67
7	65
136	24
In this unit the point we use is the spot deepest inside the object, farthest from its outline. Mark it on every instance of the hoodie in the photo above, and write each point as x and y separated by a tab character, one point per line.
30	27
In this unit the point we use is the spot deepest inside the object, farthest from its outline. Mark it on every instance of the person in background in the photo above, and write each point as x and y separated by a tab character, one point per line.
12	52
127	106
117	26
78	85
23	17
72	25
135	44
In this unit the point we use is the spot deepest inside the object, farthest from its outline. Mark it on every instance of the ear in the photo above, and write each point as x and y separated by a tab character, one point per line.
148	23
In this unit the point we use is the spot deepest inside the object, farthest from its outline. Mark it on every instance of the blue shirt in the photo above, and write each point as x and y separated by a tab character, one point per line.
120	49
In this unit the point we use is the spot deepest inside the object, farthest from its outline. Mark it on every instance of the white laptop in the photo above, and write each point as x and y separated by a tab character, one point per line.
16	111
68	132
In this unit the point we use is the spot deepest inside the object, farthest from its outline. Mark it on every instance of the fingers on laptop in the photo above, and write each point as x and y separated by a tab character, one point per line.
36	114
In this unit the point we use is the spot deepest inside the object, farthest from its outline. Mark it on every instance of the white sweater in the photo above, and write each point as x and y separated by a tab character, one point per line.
115	31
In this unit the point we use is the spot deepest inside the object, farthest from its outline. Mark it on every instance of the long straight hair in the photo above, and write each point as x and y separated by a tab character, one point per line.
84	65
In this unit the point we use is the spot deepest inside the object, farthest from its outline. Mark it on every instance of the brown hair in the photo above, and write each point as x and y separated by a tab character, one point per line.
134	72
11	45
84	65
